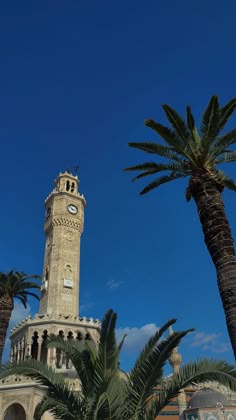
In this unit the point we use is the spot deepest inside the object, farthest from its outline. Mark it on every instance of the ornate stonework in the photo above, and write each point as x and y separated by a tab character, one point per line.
59	303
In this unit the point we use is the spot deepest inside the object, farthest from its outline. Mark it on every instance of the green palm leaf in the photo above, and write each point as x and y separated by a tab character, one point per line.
171	137
162	180
190	119
152	168
195	373
180	128
210	124
224	179
58	409
222	143
158	149
57	388
225	157
150	372
226	112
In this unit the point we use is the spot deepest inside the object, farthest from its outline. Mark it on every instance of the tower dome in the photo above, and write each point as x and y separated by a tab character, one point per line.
208	397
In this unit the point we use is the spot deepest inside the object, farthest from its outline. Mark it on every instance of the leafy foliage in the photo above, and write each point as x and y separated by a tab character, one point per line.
105	392
187	150
13	285
16	285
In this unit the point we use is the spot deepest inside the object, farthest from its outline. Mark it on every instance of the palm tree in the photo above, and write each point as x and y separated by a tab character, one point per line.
187	152
13	285
108	394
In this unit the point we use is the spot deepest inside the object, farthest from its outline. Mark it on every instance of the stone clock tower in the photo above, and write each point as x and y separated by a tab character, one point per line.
64	221
59	302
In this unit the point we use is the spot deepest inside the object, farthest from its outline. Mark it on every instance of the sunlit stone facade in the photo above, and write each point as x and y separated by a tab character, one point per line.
59	303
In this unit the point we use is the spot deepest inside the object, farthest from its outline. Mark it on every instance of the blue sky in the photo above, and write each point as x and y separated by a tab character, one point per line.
77	81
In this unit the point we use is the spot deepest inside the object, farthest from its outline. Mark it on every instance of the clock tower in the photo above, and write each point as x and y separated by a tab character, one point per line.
64	220
59	302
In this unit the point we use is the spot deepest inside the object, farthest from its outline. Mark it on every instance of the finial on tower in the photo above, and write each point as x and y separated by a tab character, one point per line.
175	359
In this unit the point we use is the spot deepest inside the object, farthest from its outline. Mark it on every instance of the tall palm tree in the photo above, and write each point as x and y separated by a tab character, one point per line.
196	154
13	285
108	394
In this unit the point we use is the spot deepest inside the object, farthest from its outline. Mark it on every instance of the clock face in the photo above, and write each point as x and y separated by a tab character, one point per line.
72	209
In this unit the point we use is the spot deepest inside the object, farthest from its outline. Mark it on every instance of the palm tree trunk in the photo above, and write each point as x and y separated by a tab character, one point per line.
6	308
206	192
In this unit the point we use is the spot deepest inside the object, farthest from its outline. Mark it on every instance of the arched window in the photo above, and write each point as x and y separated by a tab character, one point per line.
79	336
68	272
72	187
59	354
68	361
34	346
44	349
15	412
70	335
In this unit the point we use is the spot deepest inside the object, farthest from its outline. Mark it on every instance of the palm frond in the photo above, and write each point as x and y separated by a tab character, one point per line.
158	149
177	123
162	180
185	134
224	179
195	373
149	166
225	157
150	345
121	343
222	143
58	409
226	112
107	351
57	388
210	124
80	358
32	294
190	119
152	168
150	371
170	136
143	174
193	129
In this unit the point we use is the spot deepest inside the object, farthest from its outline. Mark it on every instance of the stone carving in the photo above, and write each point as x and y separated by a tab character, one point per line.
69	235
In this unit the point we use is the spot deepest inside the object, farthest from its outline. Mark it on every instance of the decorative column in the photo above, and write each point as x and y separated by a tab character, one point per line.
20	350
17	351
39	348
175	361
28	351
23	348
12	354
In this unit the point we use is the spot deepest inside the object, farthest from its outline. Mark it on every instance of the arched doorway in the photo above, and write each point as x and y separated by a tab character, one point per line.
15	412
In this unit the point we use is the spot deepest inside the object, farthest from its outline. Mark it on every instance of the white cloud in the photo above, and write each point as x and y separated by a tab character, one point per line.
19	313
113	284
136	337
210	342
